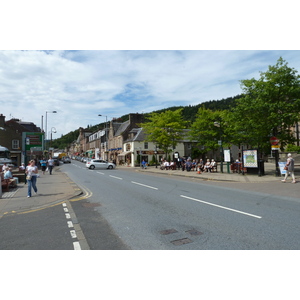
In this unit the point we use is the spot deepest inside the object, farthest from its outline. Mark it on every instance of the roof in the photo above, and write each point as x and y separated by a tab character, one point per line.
122	128
139	135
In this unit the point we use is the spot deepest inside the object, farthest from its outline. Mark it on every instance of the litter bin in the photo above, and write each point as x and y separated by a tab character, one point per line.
261	167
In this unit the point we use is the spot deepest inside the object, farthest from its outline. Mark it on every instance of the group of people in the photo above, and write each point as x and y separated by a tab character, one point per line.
189	165
31	171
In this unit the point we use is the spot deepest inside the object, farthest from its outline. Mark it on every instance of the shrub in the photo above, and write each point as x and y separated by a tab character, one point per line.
292	148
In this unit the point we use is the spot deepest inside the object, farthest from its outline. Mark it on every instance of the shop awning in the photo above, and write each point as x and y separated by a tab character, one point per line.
124	153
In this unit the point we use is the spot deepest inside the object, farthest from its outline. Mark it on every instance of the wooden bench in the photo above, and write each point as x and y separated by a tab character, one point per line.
7	183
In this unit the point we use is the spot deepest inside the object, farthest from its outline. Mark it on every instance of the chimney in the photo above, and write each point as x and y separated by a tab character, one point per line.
135	119
2	120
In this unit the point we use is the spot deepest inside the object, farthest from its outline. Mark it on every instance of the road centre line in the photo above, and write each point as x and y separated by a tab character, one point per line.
148	186
223	207
116	177
100	173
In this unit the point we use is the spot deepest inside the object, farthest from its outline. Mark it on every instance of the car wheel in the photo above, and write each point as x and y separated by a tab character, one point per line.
92	167
110	167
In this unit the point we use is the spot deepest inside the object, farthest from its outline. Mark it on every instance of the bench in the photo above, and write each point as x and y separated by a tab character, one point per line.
7	183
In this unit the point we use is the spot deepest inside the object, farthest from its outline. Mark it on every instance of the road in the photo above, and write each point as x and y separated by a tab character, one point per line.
141	211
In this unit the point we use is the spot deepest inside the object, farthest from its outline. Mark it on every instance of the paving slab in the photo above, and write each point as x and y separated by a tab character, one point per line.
52	189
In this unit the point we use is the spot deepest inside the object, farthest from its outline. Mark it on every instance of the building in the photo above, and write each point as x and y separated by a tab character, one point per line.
118	134
11	137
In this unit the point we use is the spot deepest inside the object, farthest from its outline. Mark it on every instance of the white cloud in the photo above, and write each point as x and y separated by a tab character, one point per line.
79	85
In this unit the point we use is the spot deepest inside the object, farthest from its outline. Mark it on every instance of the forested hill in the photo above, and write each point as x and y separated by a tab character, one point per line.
189	113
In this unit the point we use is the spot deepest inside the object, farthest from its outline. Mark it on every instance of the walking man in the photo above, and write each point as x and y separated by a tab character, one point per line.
50	165
289	167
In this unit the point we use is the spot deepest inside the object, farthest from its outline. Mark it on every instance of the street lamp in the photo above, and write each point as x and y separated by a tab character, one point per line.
155	152
54	131
217	124
50	112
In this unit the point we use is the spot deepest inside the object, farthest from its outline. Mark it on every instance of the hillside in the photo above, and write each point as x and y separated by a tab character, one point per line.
189	113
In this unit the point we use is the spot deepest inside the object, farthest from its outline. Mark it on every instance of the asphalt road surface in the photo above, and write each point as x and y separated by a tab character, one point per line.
132	210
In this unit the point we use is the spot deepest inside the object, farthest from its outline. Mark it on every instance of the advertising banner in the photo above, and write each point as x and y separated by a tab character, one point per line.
227	155
281	167
250	158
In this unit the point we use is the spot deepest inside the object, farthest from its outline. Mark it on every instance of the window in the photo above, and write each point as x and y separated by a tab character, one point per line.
146	145
15	144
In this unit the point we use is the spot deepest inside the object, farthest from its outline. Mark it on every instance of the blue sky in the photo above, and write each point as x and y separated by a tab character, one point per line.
128	58
112	82
79	85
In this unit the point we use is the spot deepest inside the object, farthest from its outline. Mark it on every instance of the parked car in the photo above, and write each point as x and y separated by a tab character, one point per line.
99	164
66	160
56	161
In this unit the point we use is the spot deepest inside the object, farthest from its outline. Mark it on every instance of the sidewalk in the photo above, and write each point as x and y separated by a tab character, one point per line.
52	189
218	176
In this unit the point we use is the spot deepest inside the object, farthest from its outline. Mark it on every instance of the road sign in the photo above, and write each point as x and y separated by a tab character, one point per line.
275	147
274	140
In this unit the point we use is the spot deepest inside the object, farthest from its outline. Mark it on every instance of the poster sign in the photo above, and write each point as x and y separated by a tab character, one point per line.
250	158
281	167
226	155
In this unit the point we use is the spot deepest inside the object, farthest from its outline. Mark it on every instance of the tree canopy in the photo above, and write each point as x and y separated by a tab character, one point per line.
165	129
269	106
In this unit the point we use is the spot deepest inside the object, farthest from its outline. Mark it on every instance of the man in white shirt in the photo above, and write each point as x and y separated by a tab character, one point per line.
50	163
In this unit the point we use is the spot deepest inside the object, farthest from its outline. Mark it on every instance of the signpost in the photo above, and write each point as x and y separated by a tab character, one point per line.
33	144
275	147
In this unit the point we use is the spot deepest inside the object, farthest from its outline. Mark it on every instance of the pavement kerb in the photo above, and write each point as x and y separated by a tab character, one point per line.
218	176
192	176
11	205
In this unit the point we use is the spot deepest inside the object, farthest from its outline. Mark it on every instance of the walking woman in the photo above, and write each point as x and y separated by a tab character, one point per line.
31	172
289	167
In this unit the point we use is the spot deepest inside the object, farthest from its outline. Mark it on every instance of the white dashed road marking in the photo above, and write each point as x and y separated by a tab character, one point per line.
76	246
148	186
223	207
116	177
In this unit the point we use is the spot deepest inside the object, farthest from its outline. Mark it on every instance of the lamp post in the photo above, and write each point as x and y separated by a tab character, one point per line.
50	112
155	152
218	124
54	131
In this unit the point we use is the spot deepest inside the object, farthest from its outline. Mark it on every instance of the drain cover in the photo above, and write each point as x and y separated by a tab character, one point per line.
168	231
181	242
194	232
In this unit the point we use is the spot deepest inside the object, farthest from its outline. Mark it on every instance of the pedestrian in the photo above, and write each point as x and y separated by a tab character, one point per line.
4	167
32	172
50	165
289	167
22	169
43	163
8	175
144	164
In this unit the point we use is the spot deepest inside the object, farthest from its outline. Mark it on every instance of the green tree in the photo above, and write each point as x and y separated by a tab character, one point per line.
270	106
209	127
165	129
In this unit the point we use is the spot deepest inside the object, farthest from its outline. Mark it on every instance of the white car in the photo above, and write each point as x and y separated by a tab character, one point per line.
99	164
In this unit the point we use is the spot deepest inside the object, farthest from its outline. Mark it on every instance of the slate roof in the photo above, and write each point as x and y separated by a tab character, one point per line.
122	128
